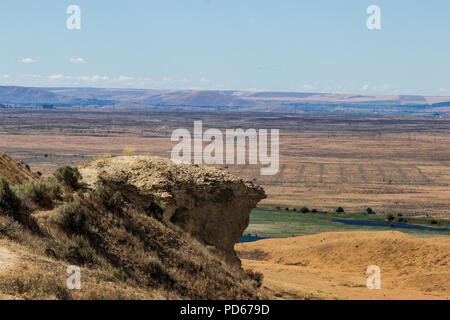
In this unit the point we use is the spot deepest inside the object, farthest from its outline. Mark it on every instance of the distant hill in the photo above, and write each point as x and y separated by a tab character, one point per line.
226	100
40	96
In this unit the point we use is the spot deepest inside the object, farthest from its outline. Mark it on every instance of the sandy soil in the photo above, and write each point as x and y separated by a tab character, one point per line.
7	259
333	265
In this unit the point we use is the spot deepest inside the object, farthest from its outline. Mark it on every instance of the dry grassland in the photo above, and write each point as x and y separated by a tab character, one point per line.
392	164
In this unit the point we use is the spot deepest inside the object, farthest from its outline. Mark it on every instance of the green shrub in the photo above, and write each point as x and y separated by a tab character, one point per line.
390	218
78	250
69	176
106	197
41	193
370	211
340	210
71	217
54	188
10	203
314	211
56	289
304	210
9	225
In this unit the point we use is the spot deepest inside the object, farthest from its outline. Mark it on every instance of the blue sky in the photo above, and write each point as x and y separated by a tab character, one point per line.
285	45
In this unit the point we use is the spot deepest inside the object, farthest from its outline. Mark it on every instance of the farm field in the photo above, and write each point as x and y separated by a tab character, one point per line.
396	164
272	222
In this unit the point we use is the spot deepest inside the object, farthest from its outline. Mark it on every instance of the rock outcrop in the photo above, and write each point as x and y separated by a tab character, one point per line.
210	204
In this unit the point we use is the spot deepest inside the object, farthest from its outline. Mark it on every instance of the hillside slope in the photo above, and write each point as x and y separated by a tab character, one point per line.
200	100
114	226
13	171
333	265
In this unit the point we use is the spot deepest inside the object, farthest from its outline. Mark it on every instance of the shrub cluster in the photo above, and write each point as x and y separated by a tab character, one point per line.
40	193
106	197
340	210
10	203
257	277
68	176
72	217
78	250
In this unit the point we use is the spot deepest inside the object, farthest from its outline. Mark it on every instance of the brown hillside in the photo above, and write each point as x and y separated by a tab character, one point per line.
411	268
13	171
116	226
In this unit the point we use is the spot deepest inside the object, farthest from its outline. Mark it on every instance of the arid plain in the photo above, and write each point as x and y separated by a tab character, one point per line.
395	164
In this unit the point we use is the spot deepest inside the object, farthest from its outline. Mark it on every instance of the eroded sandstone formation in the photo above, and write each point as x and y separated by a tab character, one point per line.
208	203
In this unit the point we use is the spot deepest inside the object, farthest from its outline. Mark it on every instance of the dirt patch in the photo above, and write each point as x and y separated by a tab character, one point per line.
7	259
257	255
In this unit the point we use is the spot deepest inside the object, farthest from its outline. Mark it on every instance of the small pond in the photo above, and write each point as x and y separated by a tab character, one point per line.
244	239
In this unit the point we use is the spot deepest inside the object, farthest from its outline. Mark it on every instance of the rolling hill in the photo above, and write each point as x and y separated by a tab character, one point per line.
258	101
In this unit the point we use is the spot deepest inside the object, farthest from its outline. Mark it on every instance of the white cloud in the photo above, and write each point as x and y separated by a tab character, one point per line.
124	81
26	60
56	76
77	60
6	76
125	78
365	87
205	80
307	87
82	78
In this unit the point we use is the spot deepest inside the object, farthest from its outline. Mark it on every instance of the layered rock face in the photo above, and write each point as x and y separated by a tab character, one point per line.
210	204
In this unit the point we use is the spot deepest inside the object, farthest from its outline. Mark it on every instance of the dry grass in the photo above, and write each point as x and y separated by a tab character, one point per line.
124	254
392	164
128	152
389	174
333	265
